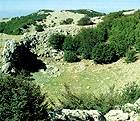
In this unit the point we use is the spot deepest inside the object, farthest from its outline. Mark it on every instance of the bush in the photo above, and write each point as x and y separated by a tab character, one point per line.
70	56
39	28
71	44
85	21
130	56
103	54
103	102
21	100
88	38
57	40
67	21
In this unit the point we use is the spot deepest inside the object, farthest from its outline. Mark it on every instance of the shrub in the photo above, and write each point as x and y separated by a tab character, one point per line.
21	100
103	54
39	28
130	93
70	56
71	44
67	21
130	56
57	40
85	21
103	102
88	38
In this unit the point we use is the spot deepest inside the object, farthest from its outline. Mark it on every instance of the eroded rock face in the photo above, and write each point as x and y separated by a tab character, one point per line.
79	115
18	56
7	58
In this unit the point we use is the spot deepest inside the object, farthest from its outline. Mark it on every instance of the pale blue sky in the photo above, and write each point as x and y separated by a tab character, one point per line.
19	7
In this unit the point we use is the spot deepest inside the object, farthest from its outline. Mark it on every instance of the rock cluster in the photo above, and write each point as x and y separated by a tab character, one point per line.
79	115
128	112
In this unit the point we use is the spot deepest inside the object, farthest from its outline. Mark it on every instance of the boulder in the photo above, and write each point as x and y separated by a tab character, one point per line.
117	115
6	68
79	115
9	49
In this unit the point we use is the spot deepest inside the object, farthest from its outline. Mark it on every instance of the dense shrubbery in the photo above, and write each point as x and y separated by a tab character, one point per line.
103	102
17	25
21	100
57	40
104	53
85	21
70	56
109	41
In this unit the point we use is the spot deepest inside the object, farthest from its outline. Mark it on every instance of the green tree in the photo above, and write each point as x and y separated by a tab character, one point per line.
103	54
85	21
57	40
21	100
70	56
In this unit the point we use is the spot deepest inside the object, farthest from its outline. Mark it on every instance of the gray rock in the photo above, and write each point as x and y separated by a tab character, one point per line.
117	115
6	67
9	49
79	115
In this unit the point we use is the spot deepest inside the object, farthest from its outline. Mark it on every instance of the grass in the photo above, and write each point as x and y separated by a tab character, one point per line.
86	77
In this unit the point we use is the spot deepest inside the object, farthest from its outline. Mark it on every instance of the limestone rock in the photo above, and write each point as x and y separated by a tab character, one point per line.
80	115
117	115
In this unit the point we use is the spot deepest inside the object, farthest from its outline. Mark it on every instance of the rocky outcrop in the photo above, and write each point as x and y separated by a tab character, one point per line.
18	56
7	58
79	115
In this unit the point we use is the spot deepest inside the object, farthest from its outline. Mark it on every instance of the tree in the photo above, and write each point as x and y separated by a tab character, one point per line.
85	21
57	40
70	56
21	100
103	54
71	44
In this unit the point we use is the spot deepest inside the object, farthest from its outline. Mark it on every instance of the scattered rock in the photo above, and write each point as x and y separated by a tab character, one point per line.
79	115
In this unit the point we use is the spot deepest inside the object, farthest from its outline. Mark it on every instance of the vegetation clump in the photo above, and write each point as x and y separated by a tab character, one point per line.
21	100
85	21
67	21
104	102
56	41
39	28
17	25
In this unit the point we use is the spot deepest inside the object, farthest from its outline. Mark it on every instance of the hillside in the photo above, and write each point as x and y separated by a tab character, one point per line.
81	53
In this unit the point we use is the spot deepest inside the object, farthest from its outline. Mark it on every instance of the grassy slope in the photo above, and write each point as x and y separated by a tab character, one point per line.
94	78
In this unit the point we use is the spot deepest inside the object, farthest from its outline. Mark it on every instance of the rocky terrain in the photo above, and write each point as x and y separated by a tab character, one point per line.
32	51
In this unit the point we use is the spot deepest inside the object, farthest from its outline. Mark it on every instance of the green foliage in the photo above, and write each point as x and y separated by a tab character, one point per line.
21	100
88	39
17	25
67	21
71	44
103	102
104	53
39	28
70	56
89	13
130	93
130	56
85	21
57	40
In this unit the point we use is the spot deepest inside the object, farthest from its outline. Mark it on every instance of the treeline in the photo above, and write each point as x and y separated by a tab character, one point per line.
89	13
17	25
118	36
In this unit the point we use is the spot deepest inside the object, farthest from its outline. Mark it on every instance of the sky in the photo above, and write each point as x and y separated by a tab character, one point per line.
10	8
